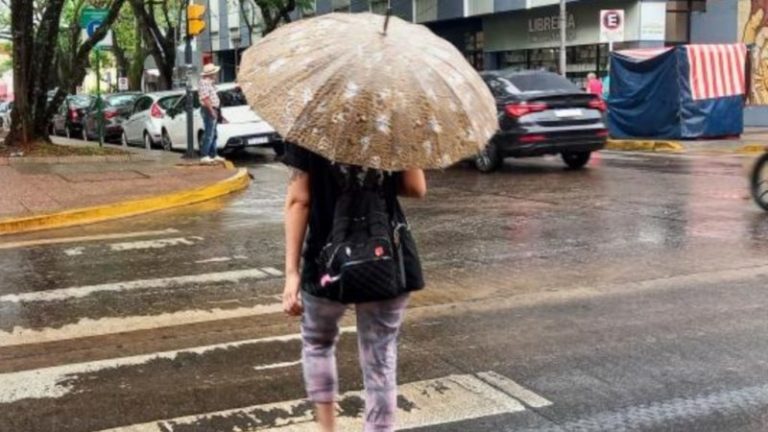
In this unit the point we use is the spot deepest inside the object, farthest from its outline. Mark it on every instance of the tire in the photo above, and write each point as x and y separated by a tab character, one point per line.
488	160
279	148
147	141
576	160
200	136
166	141
759	182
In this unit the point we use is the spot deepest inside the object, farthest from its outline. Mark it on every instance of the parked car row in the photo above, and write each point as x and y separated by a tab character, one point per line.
159	120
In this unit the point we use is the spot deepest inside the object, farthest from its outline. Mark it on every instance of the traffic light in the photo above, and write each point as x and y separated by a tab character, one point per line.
195	19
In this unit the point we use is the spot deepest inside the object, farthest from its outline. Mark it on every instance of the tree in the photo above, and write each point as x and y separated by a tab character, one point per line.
35	29
269	14
160	23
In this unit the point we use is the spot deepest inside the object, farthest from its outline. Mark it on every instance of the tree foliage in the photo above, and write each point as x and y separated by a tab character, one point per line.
267	15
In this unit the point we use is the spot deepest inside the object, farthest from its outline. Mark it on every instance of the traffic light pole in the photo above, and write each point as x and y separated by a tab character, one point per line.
189	105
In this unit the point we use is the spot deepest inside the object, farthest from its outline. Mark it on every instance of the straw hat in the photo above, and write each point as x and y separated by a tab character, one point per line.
210	69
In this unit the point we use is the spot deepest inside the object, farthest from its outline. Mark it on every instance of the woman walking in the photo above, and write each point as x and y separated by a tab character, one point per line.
310	203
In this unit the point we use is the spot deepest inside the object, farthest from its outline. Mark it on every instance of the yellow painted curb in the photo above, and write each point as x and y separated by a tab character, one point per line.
645	145
238	181
752	149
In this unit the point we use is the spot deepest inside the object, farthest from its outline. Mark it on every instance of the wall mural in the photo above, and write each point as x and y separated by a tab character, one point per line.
753	30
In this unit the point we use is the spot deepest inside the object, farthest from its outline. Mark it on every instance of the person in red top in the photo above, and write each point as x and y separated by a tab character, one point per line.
594	85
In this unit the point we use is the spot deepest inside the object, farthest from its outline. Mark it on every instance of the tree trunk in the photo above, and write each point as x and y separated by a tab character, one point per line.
21	116
32	112
161	46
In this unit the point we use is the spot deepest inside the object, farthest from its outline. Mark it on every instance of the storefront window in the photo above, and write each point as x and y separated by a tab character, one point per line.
379	6
474	44
581	60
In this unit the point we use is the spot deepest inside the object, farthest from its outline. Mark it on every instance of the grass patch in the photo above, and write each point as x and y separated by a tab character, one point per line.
44	149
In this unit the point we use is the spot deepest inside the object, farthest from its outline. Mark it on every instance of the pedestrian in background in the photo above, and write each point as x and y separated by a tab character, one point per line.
594	85
210	111
310	203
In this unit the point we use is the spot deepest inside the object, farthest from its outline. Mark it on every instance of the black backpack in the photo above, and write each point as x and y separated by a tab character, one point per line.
365	256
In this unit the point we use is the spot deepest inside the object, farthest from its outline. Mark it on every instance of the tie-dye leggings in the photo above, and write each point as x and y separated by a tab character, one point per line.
378	324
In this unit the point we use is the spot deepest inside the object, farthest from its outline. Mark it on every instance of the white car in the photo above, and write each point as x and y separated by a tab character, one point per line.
145	124
242	127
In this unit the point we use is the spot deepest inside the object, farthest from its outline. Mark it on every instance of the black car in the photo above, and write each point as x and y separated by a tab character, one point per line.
542	113
68	120
117	107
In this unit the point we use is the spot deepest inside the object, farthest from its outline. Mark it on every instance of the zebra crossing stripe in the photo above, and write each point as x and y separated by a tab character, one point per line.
83	291
426	403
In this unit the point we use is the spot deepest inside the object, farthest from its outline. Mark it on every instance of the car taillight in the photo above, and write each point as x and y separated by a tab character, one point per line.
73	114
602	134
520	109
110	114
532	138
598	104
155	111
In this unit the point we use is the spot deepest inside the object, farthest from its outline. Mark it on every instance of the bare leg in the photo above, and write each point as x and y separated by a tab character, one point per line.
326	416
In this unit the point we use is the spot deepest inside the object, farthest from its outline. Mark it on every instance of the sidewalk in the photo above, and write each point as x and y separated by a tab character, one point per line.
752	141
41	193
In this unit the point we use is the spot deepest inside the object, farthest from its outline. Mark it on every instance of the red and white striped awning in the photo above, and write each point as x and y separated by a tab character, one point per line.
717	70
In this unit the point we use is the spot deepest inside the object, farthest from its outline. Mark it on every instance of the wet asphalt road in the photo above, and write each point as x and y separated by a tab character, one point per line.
628	296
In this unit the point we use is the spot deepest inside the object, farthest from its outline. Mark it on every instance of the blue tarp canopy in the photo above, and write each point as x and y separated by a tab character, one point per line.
691	91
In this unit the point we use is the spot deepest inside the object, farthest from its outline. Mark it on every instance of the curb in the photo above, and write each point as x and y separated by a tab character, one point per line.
74	159
752	149
645	145
87	215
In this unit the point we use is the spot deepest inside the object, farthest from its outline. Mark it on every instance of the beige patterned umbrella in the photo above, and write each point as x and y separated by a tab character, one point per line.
339	86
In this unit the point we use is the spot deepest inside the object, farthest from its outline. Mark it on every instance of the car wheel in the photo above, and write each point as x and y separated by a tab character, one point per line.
576	160
147	141
759	182
488	160
167	144
200	136
279	148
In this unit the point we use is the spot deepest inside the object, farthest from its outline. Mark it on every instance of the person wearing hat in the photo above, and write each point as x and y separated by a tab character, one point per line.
209	110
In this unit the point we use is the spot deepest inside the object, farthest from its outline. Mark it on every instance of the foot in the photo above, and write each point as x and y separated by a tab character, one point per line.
206	160
218	159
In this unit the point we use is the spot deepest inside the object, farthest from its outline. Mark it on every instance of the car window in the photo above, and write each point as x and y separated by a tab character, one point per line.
121	101
168	101
180	105
232	98
535	82
500	86
142	105
80	101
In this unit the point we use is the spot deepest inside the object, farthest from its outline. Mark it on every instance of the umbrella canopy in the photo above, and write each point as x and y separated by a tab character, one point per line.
340	87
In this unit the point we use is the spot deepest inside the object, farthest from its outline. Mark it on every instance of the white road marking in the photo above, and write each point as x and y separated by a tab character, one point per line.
54	382
87	327
82	239
75	251
277	365
428	403
83	291
222	259
514	389
273	271
154	244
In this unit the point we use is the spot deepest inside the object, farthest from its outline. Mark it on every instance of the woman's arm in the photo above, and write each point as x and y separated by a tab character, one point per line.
413	184
296	218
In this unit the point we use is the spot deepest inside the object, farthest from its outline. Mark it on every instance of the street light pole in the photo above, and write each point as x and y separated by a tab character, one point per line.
563	36
188	99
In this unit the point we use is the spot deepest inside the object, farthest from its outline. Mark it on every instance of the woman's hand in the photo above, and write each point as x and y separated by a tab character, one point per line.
292	295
